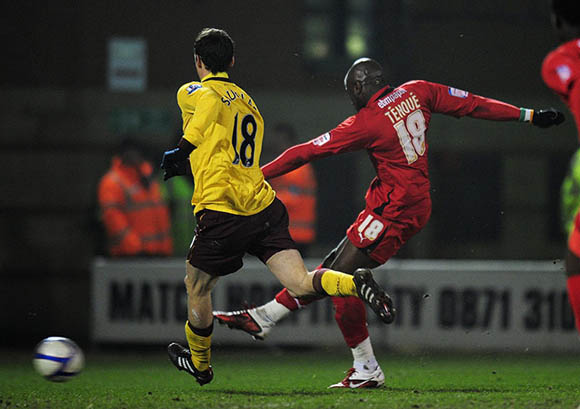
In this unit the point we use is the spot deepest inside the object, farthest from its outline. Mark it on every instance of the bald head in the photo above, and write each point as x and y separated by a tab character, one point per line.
362	80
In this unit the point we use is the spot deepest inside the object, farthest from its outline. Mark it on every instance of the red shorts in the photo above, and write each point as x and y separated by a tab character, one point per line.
574	237
381	238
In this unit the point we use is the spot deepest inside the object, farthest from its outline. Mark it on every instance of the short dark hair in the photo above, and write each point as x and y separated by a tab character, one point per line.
215	48
567	10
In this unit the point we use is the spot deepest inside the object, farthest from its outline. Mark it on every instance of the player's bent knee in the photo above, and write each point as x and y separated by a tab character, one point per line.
197	282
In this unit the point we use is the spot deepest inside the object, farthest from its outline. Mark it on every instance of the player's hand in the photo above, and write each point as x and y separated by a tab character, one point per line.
174	163
545	118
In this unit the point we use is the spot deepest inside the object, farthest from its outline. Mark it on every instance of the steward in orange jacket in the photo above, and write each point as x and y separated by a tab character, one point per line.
135	216
297	190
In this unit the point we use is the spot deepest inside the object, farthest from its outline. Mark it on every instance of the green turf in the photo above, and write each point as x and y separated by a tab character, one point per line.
280	379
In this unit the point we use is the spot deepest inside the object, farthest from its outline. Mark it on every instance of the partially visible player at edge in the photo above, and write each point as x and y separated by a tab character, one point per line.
237	211
561	72
391	124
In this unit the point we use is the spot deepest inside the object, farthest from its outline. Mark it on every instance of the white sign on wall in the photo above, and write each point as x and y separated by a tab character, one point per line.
444	305
127	68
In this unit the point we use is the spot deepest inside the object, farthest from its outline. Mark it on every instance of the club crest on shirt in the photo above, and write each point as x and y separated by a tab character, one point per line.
322	139
459	93
563	72
192	88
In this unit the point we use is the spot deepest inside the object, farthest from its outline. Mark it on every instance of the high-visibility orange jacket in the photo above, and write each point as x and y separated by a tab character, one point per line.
297	190
135	216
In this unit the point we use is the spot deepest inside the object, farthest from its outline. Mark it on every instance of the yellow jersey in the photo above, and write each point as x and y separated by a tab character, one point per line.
225	125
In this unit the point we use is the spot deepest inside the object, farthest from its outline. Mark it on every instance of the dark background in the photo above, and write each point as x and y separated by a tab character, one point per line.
495	185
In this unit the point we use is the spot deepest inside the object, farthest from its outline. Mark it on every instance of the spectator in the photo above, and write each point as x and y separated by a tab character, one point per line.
570	194
177	193
297	190
135	217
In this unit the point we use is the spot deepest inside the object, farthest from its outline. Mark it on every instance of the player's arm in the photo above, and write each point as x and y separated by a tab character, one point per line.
574	103
458	103
176	161
349	136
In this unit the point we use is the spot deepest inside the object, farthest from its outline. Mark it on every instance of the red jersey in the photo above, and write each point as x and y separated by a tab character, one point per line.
561	72
392	128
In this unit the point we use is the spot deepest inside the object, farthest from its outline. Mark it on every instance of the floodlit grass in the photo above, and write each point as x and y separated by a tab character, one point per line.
282	379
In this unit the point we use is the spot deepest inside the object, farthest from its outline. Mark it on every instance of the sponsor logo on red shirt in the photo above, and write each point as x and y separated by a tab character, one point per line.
322	139
459	93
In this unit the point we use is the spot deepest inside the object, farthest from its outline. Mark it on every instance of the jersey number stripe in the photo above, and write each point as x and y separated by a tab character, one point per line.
248	129
411	133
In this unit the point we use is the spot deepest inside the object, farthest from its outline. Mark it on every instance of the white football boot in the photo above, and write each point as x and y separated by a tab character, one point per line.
358	379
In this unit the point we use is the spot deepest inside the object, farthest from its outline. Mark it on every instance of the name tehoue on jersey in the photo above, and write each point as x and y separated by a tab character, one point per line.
403	108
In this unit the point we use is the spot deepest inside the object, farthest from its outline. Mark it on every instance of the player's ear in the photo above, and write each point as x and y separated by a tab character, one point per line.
357	88
233	62
198	62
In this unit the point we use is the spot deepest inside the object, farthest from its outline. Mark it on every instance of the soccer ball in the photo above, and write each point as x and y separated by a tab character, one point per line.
58	359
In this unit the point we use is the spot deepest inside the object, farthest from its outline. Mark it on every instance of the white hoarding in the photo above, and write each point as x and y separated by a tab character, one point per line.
445	305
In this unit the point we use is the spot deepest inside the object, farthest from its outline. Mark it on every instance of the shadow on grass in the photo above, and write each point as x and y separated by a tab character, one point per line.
264	393
446	390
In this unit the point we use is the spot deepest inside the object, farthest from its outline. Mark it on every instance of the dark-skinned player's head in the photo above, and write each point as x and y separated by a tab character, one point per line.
215	48
363	79
566	18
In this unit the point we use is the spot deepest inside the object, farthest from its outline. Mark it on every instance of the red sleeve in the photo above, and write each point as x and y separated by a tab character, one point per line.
452	101
574	104
350	135
559	73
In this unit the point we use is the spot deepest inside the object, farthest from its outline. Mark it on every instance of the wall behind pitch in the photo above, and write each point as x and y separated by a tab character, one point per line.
442	305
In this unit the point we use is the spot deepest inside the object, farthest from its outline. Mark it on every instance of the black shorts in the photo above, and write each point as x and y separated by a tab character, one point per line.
221	239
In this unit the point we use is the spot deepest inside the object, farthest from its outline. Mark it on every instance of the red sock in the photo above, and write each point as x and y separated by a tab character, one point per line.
573	285
351	317
284	298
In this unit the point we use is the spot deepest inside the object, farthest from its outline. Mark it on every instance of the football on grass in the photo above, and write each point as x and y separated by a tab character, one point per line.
58	359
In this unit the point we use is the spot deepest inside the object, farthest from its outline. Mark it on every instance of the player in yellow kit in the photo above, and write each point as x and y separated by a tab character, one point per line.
237	211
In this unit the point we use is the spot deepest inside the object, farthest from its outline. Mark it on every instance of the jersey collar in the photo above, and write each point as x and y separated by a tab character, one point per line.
380	93
220	76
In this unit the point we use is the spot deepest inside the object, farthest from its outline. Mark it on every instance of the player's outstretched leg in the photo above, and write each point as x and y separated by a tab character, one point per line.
181	358
371	292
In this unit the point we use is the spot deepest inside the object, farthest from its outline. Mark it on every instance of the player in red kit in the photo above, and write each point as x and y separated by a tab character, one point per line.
561	72
391	125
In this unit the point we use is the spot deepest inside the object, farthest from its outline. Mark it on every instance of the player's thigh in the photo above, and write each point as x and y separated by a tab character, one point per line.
217	247
288	267
274	237
380	238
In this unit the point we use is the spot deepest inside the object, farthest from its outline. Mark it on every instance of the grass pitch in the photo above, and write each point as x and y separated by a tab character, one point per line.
281	379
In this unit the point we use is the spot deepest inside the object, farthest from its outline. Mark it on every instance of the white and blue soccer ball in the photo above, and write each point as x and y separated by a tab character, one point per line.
58	359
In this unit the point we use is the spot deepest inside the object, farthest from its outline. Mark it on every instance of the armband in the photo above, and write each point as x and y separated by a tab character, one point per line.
526	115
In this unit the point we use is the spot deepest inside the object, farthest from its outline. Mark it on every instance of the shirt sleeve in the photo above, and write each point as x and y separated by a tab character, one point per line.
350	135
455	102
574	104
205	113
560	73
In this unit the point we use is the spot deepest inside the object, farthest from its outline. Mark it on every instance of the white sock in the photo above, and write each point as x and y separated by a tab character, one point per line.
272	312
364	357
